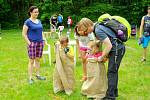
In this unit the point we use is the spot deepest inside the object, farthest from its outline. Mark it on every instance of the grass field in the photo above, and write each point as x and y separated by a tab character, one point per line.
134	76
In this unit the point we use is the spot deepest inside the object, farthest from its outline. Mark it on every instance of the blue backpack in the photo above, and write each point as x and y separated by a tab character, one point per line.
60	19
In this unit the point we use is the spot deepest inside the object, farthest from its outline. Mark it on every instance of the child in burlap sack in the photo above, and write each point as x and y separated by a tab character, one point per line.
96	84
63	77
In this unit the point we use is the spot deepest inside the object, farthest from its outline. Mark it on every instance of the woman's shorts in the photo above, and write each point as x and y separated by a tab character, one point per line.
35	50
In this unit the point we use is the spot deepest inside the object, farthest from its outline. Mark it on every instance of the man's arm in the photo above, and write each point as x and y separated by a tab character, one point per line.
107	47
141	27
101	35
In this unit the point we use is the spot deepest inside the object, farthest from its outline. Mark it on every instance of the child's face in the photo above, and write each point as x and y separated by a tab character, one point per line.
94	49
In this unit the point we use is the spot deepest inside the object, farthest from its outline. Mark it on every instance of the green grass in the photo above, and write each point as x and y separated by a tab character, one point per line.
134	76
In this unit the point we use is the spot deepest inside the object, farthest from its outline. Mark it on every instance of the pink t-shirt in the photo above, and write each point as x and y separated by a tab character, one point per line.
69	21
96	55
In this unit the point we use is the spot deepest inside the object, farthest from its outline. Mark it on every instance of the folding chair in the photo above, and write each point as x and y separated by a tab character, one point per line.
47	52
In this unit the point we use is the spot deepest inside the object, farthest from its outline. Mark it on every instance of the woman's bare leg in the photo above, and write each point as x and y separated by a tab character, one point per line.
30	68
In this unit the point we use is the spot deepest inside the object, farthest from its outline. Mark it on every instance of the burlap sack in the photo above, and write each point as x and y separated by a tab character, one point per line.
63	77
96	84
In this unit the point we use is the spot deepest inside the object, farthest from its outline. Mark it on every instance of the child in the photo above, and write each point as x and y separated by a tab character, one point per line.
69	23
82	42
63	78
96	84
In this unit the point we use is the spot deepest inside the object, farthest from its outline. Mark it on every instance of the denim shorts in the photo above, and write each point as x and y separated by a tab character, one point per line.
146	40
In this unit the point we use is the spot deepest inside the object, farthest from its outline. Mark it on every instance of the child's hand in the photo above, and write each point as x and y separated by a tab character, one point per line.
105	59
100	59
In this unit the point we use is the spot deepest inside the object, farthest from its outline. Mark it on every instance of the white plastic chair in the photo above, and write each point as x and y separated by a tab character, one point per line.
47	52
47	34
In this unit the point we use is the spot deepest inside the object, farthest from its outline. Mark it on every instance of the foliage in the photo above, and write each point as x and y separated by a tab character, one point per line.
132	10
96	10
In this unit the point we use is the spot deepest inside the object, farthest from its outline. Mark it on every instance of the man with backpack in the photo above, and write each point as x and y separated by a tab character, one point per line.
114	49
145	24
59	20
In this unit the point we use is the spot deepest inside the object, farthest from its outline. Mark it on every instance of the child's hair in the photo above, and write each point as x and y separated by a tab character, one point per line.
83	24
94	44
63	39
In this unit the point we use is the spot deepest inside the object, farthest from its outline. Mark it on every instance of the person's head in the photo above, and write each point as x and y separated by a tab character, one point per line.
84	27
33	11
94	46
148	10
64	41
69	17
